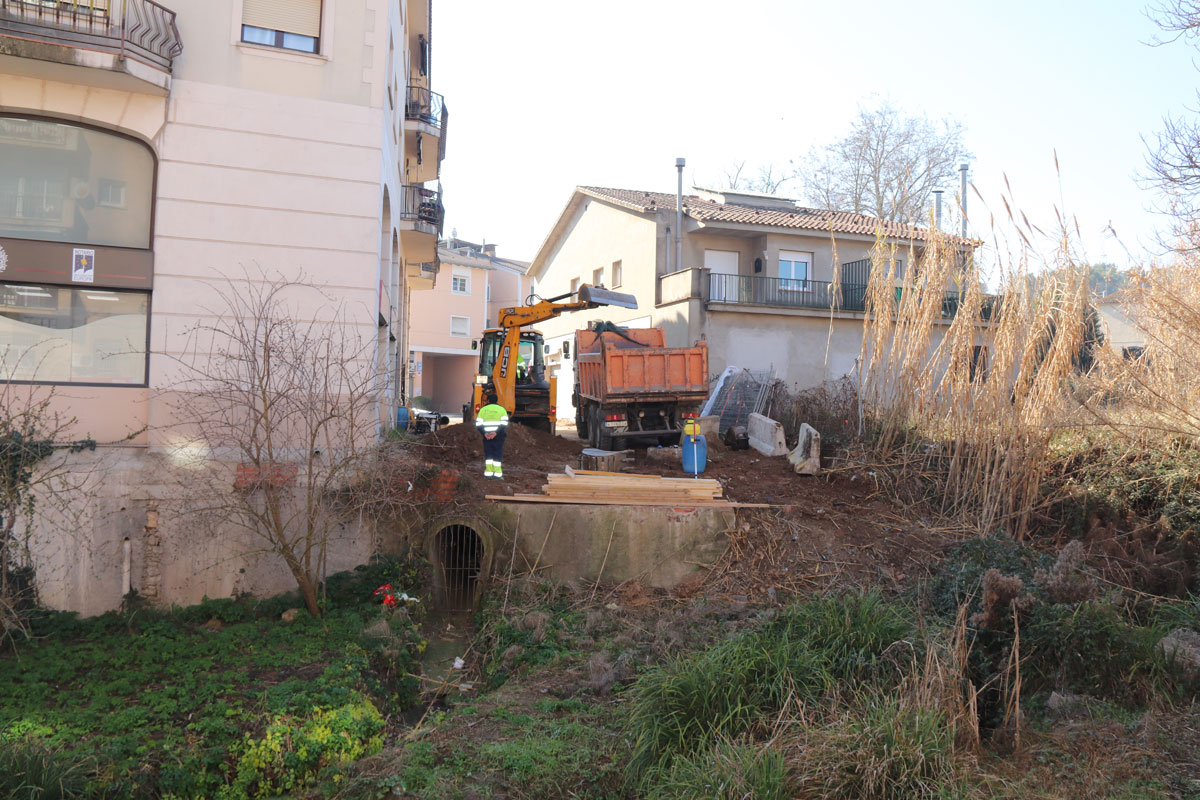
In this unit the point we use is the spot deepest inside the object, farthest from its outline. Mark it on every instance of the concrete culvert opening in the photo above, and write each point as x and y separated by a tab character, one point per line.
458	553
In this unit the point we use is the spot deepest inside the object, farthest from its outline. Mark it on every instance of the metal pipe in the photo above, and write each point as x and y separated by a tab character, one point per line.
937	216
679	165
963	167
126	567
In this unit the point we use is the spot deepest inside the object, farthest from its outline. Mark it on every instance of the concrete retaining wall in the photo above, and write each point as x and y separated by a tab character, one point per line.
657	546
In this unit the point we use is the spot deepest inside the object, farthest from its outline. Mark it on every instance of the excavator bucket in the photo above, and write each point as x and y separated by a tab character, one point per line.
605	297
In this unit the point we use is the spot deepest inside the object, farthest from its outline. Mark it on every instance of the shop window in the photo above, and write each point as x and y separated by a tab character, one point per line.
63	334
66	183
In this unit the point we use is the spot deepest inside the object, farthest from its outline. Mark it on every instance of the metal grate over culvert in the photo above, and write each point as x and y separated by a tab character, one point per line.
460	551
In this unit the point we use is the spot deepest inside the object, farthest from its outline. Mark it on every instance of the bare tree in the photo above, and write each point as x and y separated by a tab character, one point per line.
886	166
279	397
1173	158
767	178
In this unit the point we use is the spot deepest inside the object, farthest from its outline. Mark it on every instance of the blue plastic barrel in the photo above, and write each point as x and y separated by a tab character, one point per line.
695	453
402	418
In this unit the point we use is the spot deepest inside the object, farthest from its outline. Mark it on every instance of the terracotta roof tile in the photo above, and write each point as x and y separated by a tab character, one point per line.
801	218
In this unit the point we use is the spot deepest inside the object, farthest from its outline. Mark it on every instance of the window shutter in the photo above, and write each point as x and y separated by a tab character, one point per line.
293	16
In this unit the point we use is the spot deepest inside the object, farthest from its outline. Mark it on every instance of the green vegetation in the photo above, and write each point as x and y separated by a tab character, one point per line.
807	651
221	699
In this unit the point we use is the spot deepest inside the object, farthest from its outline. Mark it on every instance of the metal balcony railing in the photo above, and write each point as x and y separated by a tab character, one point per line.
784	292
141	30
425	106
798	293
423	205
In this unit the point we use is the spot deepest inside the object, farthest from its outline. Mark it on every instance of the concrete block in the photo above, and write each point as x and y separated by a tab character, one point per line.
766	436
710	427
806	458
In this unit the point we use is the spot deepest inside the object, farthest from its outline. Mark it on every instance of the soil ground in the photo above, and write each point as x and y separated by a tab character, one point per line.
835	531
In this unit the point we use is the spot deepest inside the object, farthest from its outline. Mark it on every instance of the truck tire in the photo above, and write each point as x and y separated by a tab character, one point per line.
604	437
593	426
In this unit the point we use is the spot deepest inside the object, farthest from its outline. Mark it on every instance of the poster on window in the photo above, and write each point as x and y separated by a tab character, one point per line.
83	267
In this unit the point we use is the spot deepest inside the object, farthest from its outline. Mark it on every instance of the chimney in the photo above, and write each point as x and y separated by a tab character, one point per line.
489	250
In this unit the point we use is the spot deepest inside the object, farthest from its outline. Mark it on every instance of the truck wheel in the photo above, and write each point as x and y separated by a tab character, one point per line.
604	437
593	427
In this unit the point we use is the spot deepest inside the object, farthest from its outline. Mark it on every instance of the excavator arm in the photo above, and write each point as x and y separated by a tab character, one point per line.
512	319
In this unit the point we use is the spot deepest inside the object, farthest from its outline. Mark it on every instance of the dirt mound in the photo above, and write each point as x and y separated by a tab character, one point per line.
458	445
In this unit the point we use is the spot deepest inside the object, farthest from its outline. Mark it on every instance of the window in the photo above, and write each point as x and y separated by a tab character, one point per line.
598	277
460	326
460	284
794	270
615	279
50	190
979	363
111	193
287	24
63	334
574	285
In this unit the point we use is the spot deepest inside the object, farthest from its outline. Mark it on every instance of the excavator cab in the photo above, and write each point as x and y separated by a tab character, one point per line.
531	365
532	387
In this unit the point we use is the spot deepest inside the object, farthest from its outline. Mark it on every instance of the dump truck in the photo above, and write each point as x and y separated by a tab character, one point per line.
511	362
629	385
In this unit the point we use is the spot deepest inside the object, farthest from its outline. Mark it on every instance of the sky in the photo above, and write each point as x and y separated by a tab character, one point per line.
545	95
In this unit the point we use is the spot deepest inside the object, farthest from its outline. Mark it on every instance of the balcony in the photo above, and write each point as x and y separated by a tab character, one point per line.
135	39
422	276
421	216
748	290
425	119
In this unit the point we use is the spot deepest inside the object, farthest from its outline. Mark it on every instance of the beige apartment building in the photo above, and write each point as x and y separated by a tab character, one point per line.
475	284
149	152
755	280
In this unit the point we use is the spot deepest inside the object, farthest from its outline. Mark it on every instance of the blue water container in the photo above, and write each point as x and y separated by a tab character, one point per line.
402	418
695	453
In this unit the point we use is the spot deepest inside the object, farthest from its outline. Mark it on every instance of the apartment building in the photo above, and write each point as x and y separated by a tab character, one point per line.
755	277
152	151
476	283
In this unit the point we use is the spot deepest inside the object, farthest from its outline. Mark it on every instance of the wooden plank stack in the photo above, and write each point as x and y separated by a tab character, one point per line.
612	488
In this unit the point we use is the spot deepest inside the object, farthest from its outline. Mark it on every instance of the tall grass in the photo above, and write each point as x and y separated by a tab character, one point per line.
738	685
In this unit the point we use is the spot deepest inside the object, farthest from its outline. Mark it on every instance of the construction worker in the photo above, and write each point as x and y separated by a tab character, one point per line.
522	372
492	422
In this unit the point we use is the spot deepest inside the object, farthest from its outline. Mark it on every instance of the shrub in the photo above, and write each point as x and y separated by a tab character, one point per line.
960	577
293	751
1091	648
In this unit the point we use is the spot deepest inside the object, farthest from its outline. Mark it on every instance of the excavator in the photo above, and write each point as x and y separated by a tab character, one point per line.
511	358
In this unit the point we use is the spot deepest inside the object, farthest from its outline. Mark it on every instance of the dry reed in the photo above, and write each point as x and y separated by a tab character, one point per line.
965	392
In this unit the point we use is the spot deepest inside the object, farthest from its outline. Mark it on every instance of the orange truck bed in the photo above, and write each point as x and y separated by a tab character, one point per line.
612	369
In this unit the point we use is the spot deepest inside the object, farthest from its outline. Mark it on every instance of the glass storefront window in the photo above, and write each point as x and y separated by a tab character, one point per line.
63	334
65	183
